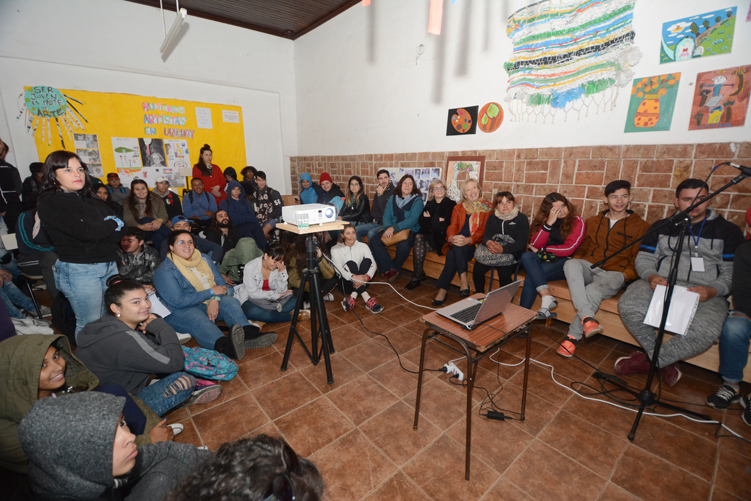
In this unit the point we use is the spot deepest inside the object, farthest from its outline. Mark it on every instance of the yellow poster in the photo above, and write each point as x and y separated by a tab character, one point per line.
135	136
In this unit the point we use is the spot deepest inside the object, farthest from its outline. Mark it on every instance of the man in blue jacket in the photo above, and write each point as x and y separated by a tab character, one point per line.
199	206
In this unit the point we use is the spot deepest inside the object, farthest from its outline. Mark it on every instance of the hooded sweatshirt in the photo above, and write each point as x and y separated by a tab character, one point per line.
309	195
240	211
268	204
20	363
117	354
69	441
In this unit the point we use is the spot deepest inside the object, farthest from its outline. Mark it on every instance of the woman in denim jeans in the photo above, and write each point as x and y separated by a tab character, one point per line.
129	344
191	287
558	230
85	232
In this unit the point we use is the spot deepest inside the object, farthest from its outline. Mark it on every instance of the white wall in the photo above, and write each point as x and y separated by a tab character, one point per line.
113	46
361	90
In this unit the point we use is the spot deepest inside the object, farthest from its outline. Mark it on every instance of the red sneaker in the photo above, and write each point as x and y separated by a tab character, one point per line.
568	347
348	303
671	374
636	363
373	306
591	326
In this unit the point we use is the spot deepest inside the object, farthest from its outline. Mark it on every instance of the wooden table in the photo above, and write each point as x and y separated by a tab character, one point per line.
515	321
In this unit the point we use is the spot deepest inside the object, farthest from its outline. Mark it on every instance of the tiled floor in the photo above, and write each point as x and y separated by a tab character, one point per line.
359	430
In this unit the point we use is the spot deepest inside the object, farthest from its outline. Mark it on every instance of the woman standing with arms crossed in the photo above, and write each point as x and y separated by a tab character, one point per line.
85	232
211	175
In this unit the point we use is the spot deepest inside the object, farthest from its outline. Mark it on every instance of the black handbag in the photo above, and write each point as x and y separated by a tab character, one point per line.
546	256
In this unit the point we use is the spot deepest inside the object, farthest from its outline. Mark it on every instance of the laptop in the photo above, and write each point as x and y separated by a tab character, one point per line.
469	313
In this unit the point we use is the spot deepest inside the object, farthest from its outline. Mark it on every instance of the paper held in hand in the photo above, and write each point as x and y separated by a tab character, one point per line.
157	307
683	305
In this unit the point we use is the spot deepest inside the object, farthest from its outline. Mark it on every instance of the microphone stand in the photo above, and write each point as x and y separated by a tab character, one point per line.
646	396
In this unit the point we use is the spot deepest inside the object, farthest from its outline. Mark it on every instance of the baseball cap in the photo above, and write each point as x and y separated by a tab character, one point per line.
113	175
161	179
177	219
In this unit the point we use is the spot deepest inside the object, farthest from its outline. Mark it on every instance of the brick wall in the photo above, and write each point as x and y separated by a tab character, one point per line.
580	173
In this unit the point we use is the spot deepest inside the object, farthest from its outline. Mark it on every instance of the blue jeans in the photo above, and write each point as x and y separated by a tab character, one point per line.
84	286
195	321
159	236
538	274
382	256
734	342
255	312
367	229
168	392
13	297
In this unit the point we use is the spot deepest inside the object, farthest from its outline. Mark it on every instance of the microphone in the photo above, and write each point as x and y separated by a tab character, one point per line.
745	170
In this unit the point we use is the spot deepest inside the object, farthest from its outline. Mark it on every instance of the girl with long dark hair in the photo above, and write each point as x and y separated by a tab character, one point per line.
356	209
145	210
211	175
85	231
556	234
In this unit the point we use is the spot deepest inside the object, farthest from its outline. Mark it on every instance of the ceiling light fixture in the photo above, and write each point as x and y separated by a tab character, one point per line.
169	37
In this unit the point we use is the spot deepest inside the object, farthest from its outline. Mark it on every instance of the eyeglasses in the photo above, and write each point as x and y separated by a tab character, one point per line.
184	242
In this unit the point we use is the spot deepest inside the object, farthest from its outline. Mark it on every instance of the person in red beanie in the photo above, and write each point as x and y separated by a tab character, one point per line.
329	190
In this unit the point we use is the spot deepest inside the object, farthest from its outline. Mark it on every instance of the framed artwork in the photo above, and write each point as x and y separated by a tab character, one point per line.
652	103
458	170
423	176
720	98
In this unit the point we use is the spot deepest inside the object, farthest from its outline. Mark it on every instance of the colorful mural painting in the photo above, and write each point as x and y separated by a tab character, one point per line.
707	34
721	98
652	103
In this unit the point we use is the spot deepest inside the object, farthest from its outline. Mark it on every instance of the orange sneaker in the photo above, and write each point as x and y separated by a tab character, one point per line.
591	327
568	347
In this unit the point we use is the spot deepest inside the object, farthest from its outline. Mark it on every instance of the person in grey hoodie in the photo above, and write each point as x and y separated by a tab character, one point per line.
129	344
79	447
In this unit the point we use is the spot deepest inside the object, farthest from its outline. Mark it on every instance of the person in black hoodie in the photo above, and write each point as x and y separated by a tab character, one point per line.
434	221
85	232
129	344
80	447
268	204
503	243
32	185
221	231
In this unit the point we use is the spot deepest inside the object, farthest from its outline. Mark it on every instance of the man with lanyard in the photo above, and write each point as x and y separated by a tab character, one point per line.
705	267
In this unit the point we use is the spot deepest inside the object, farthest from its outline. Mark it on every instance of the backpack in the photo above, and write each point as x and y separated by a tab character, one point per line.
64	318
208	364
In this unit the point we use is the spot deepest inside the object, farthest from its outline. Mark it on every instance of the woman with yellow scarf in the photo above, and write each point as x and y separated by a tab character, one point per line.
191	287
465	232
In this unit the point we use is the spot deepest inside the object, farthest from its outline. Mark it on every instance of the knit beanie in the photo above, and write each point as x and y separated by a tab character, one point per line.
326	177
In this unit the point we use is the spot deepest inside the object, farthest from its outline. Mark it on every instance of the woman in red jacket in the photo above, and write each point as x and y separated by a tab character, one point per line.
557	230
211	175
465	232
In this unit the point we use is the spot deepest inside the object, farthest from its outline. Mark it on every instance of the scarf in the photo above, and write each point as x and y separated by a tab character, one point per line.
191	267
476	211
507	217
401	202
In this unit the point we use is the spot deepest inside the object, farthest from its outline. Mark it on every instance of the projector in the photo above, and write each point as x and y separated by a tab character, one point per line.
308	214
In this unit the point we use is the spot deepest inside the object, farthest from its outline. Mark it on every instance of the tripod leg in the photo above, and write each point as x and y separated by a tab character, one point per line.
324	325
293	324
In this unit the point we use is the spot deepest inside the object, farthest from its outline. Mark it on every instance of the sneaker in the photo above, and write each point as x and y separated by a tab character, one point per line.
671	374
177	428
236	339
257	324
390	275
394	276
591	326
636	363
545	313
373	306
255	339
183	338
46	311
348	303
328	298
303	315
568	347
205	392
724	398
746	404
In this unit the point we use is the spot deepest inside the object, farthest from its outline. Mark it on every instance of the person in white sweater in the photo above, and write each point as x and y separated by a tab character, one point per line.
356	265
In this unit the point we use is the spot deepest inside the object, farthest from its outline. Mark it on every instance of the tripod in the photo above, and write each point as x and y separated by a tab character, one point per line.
646	396
319	322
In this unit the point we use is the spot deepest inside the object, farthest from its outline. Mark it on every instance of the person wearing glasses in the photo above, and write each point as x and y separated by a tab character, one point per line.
191	287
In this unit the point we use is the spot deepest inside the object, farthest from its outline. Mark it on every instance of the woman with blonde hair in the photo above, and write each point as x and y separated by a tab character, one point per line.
434	222
556	234
465	232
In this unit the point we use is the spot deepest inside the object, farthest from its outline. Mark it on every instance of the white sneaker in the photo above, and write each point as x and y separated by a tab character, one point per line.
46	311
328	298
177	428
183	338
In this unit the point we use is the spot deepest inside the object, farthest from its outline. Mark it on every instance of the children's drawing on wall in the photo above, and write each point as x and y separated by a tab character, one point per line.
462	121
152	152
423	177
89	156
458	170
178	158
704	35
652	103
721	98
95	170
569	58
490	117
40	105
127	153
85	141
